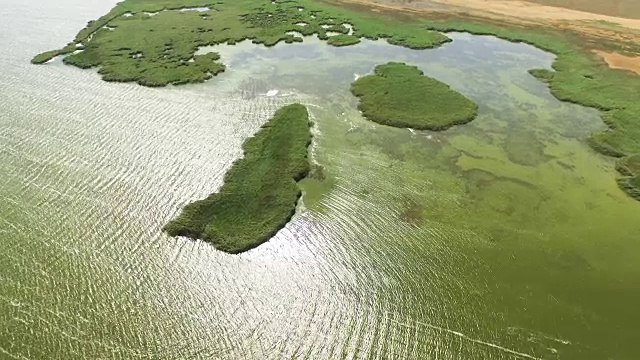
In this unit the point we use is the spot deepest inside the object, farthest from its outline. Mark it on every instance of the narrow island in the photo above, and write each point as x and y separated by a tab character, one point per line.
400	95
260	190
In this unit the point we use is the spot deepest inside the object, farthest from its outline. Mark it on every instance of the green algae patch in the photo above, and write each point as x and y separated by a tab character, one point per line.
343	40
400	95
524	148
260	191
155	43
317	183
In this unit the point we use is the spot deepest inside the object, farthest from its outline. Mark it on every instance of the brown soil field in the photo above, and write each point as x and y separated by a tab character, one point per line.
618	8
593	19
619	61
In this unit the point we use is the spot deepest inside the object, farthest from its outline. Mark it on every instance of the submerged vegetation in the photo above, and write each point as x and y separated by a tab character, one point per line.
400	95
260	191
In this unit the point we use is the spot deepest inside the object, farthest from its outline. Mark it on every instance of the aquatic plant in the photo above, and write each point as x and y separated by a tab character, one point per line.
260	190
400	95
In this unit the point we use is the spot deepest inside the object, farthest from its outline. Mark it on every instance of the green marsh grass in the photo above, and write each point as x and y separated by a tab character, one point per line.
260	191
400	95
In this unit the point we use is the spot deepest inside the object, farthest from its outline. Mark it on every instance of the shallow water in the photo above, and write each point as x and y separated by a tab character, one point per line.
505	238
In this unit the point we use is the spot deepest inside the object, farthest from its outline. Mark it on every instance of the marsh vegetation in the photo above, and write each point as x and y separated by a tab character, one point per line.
260	190
154	42
400	95
343	40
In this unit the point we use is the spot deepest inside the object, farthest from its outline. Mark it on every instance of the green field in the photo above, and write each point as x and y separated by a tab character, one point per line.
399	95
260	191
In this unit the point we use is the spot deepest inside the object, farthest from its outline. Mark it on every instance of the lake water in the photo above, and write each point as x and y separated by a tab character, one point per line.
506	238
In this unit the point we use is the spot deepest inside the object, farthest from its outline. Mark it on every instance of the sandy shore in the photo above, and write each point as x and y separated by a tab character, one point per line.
619	61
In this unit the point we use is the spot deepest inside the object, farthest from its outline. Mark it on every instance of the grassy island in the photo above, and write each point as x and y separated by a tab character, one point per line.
400	95
260	191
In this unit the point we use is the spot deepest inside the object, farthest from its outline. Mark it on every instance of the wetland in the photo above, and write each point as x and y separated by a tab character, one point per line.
506	237
160	55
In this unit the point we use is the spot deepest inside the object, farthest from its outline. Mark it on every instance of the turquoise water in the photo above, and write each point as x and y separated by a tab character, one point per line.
506	238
